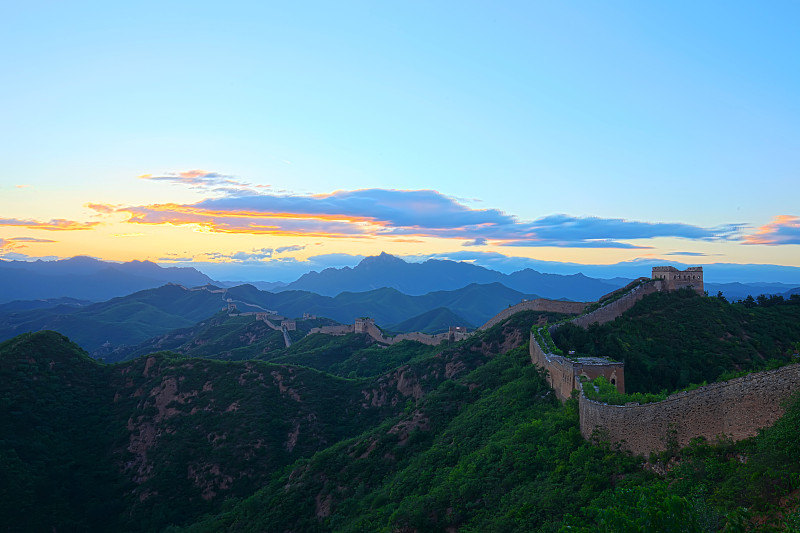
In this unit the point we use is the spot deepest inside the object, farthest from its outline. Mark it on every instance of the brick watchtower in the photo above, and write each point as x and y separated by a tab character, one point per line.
675	279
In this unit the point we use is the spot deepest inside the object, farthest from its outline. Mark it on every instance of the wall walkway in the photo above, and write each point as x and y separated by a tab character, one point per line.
539	304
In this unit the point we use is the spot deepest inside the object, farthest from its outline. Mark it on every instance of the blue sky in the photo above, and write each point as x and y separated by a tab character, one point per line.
580	132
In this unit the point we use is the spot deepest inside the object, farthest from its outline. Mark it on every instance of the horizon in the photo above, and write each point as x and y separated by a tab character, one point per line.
753	274
286	139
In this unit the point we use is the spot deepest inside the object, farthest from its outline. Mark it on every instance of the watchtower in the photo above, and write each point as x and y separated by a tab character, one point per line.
675	279
362	324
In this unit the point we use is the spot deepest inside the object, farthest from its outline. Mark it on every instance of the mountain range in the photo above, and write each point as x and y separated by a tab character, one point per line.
387	270
87	278
132	319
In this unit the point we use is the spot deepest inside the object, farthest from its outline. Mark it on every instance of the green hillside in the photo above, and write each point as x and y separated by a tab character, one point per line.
465	437
221	336
130	320
164	439
434	321
669	340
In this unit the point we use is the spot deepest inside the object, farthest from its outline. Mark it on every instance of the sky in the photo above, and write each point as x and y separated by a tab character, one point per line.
258	140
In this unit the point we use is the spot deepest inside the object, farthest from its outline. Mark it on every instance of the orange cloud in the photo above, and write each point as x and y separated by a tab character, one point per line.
784	229
402	214
58	224
206	180
105	209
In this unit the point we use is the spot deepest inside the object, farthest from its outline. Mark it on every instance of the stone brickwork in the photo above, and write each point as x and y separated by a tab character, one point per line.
563	374
363	324
737	408
675	279
613	310
344	329
367	326
539	304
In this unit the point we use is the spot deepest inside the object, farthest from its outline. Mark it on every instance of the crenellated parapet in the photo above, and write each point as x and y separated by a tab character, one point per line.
564	373
736	409
675	279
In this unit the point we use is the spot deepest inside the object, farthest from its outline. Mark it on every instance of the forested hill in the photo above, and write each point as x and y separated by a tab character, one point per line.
670	340
466	437
163	439
137	317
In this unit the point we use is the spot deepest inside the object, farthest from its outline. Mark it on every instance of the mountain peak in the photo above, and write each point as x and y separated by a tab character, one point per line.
383	259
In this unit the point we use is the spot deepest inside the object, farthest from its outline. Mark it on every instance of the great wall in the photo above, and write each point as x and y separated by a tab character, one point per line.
736	409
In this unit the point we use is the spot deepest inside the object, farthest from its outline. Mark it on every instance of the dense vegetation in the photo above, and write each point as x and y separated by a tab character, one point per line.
508	458
56	435
164	438
345	435
670	340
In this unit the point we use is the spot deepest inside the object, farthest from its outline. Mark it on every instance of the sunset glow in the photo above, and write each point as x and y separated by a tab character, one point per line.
587	134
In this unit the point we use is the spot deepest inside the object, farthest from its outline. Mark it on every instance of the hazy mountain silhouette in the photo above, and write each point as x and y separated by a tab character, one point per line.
87	278
134	318
386	270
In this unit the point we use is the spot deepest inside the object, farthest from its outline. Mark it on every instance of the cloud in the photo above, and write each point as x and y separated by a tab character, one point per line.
784	229
592	243
257	254
405	214
29	239
58	224
252	257
293	248
206	181
9	248
691	254
15	256
104	209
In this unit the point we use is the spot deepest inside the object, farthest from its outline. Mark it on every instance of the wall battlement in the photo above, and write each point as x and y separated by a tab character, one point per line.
614	310
675	279
737	409
564	374
538	304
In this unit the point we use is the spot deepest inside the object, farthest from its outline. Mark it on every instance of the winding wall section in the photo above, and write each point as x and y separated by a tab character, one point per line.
539	304
614	310
737	408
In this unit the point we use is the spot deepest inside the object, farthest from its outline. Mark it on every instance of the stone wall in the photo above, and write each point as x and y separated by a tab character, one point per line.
563	373
333	330
560	371
613	310
737	408
675	279
539	304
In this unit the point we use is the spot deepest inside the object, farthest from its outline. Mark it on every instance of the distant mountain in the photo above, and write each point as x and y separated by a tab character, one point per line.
120	321
434	321
271	286
790	293
48	303
475	303
737	291
387	270
132	319
87	278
